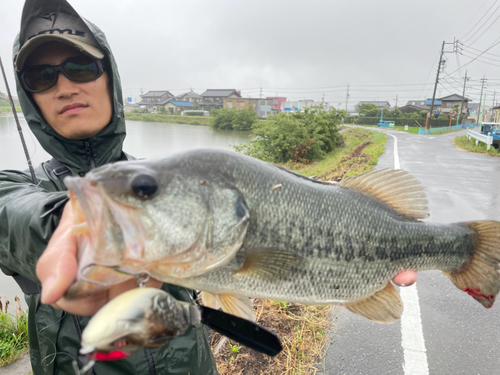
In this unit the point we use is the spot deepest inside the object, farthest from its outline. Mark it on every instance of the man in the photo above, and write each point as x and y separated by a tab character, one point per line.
69	89
70	92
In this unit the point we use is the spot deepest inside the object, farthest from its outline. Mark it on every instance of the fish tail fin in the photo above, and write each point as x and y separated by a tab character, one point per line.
480	277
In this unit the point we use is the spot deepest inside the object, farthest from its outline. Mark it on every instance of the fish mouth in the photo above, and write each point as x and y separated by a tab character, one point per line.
99	237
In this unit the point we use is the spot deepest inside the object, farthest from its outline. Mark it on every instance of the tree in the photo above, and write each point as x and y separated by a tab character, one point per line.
298	137
369	110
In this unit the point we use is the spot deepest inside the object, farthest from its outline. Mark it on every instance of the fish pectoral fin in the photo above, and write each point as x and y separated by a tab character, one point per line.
396	188
382	307
232	304
269	263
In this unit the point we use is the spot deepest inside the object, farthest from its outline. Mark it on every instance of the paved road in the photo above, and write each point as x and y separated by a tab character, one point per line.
459	335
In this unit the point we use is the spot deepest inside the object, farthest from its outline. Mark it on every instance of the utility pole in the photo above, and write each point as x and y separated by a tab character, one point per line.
396	101
347	98
463	97
483	80
261	92
492	117
429	115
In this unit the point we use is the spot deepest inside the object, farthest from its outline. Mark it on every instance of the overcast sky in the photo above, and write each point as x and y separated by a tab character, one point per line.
297	49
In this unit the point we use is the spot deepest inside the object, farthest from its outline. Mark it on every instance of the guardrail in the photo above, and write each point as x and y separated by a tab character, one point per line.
446	129
488	139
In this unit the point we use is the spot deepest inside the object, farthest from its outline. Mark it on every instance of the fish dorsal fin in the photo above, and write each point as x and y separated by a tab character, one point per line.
382	307
232	304
396	188
268	263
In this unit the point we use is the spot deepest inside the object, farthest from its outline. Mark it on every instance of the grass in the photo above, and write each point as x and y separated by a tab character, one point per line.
411	129
176	119
301	329
9	109
360	153
470	145
13	334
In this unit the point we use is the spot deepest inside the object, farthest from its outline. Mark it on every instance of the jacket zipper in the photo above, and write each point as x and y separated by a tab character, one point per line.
150	360
88	151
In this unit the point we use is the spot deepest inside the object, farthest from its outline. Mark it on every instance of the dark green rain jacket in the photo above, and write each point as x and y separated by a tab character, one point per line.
30	213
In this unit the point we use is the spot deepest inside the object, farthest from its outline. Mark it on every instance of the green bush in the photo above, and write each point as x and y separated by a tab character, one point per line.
237	119
195	113
298	137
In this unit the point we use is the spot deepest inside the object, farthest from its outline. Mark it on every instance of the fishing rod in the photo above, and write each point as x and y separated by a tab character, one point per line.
19	129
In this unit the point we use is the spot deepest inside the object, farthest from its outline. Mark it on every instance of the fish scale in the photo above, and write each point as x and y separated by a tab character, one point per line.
271	233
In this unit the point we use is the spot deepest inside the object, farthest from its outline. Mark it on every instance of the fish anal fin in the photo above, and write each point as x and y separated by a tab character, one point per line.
269	263
479	276
230	303
384	306
396	188
209	300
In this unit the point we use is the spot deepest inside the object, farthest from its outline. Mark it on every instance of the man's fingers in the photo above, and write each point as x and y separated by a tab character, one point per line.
57	267
405	278
63	273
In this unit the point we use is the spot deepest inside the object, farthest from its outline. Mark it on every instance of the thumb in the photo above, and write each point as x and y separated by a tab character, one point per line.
57	267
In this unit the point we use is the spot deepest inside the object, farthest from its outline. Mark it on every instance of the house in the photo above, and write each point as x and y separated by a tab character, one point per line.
213	98
417	103
437	105
178	105
190	97
129	107
152	99
277	102
381	105
409	108
298	105
264	108
449	101
239	103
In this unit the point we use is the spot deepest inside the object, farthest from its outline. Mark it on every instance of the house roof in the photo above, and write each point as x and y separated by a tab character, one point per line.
156	94
220	92
191	94
436	102
412	108
417	102
454	98
156	102
181	103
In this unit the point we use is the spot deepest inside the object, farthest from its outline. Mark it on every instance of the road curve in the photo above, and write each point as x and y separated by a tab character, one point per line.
459	335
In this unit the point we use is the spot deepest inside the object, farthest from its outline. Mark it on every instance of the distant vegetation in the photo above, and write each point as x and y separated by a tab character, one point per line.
296	137
175	119
233	119
369	114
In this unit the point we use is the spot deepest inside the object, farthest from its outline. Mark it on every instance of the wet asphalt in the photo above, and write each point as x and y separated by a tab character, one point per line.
461	337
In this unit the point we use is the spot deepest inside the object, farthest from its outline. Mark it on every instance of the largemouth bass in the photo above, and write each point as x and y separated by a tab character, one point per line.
236	227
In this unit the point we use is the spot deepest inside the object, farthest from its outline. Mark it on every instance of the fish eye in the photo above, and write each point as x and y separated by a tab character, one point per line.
144	186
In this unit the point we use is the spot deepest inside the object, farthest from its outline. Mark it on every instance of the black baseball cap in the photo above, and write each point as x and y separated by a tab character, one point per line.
56	26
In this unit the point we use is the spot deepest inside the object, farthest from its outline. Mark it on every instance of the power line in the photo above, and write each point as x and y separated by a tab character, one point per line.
477	23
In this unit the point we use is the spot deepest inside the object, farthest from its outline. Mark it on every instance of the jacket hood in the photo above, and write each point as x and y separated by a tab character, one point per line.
78	155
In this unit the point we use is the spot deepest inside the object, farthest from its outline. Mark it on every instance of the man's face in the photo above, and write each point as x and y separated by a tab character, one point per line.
75	110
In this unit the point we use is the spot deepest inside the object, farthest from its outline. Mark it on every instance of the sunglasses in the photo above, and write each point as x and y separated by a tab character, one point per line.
40	78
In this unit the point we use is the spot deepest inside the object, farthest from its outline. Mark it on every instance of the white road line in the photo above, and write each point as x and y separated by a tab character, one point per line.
412	336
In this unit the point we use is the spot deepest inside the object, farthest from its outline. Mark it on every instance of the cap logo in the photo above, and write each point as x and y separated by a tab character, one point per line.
51	16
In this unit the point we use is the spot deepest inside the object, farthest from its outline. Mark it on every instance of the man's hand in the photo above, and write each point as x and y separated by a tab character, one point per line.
405	278
57	268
